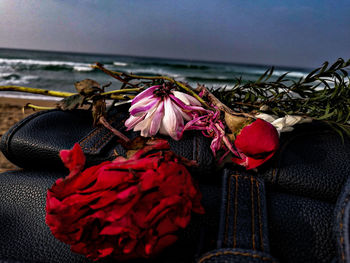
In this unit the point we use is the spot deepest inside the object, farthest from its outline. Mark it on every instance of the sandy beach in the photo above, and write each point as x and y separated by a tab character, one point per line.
11	111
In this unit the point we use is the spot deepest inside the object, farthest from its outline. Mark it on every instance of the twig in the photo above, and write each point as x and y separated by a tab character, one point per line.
37	91
105	123
216	102
119	75
35	107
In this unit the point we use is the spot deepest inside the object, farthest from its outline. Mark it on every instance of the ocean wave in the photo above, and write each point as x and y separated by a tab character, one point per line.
293	74
15	79
155	71
211	79
120	64
83	68
177	65
19	64
277	73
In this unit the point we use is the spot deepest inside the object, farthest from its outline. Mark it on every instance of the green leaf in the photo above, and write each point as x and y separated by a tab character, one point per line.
280	78
263	76
326	116
336	65
324	67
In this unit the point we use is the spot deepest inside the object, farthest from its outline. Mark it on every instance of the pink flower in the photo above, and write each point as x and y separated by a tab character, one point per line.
212	126
160	108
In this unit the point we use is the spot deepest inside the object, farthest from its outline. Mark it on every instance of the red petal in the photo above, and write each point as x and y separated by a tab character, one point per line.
164	242
73	159
258	138
257	142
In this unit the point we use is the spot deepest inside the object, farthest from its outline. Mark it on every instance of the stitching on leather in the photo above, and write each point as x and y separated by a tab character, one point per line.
252	207
236	253
260	216
88	138
227	210
100	142
235	215
243	176
252	180
109	134
341	226
274	175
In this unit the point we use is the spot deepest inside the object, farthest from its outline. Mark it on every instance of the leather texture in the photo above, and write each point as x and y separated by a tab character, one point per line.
295	208
236	256
24	236
36	141
243	217
312	161
342	224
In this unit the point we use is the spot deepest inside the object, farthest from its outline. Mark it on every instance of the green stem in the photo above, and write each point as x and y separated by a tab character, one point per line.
121	91
122	97
118	76
35	107
36	91
115	94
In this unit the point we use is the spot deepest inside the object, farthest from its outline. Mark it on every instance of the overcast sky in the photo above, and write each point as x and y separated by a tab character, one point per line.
286	32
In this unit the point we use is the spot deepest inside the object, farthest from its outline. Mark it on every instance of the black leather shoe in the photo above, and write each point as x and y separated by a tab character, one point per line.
294	209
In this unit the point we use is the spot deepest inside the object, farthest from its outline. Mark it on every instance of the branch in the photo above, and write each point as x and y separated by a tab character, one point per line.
37	91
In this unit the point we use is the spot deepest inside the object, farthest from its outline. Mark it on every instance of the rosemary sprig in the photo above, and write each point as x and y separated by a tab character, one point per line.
324	94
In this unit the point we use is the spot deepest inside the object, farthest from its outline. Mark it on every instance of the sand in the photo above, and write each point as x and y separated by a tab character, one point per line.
11	111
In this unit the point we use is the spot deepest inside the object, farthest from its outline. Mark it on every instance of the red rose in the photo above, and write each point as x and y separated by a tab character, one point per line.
124	208
256	143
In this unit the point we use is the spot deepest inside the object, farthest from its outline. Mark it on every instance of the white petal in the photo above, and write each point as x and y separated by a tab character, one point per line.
279	124
185	98
265	117
172	123
292	120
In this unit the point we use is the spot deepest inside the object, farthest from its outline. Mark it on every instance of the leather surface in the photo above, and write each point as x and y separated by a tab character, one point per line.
243	217
300	228
35	142
307	197
236	256
24	236
313	161
342	224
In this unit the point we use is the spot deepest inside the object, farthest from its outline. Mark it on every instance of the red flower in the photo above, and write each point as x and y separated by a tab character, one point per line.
256	143
124	208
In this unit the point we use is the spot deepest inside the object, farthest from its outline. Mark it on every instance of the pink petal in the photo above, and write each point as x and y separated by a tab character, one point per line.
132	121
146	93
143	106
157	118
145	125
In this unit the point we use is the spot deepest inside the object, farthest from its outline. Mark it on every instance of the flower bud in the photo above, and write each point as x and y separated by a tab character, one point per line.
256	142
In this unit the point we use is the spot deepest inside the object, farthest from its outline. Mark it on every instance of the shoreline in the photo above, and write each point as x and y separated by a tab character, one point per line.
21	102
11	112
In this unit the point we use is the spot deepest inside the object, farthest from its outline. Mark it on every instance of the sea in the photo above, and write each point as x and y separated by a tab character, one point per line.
60	70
